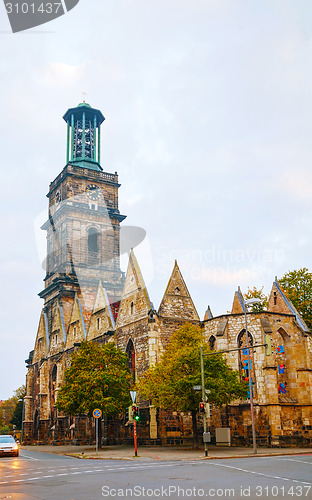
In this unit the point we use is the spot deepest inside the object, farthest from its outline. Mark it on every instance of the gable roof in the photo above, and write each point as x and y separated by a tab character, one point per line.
177	301
286	303
238	303
134	291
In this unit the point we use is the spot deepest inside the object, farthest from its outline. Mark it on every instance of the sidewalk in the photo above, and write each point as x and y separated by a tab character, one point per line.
163	453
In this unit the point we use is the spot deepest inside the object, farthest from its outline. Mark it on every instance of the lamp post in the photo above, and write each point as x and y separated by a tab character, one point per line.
247	303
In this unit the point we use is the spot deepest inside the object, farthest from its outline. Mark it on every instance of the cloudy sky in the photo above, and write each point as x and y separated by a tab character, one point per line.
208	124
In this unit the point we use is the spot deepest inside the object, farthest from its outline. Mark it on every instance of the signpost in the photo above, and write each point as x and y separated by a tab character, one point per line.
97	414
133	397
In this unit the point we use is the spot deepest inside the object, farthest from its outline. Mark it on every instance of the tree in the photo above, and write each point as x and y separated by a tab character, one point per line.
17	417
97	378
170	382
255	293
298	287
11	407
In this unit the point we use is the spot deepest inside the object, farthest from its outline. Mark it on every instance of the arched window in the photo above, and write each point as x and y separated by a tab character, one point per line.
131	307
283	367
131	357
212	342
245	358
93	240
53	382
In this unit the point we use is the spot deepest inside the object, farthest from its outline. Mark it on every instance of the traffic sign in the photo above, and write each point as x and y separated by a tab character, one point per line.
199	388
133	396
97	413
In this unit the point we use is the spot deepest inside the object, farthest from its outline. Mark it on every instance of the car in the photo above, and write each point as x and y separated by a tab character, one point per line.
8	445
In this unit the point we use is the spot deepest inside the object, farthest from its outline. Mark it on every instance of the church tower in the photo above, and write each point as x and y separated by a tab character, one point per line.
83	225
83	247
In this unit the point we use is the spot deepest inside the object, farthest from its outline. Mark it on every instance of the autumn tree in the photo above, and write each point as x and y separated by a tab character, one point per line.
97	378
256	293
298	287
169	384
11	410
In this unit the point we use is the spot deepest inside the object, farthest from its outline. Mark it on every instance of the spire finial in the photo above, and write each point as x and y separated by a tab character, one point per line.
84	96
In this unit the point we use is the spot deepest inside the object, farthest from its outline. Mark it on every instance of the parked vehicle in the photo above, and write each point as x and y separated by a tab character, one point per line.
8	445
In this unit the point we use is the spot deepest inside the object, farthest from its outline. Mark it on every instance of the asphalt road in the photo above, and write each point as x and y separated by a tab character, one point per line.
36	475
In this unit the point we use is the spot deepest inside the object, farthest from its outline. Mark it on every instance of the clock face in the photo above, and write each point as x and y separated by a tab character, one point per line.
58	197
93	192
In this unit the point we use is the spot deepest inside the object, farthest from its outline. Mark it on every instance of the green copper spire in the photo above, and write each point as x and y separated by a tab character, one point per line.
83	136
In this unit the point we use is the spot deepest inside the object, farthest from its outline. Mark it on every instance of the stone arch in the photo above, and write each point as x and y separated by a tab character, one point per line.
212	342
285	336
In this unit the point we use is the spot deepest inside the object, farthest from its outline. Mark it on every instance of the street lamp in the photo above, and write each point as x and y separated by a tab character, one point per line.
248	303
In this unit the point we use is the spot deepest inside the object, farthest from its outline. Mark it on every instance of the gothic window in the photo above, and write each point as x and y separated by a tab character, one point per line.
131	307
275	298
53	382
40	345
246	359
212	342
93	240
98	323
131	357
283	368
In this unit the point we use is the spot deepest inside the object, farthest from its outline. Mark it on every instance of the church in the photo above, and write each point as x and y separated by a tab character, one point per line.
87	297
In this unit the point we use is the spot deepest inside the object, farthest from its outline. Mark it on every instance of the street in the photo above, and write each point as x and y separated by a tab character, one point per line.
46	476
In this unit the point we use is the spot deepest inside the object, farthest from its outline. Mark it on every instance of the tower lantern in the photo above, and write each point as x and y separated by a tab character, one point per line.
84	136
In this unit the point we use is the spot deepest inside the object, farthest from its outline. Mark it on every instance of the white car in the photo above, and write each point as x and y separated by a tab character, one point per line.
8	445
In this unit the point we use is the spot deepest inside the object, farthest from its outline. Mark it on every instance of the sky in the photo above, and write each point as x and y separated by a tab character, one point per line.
208	123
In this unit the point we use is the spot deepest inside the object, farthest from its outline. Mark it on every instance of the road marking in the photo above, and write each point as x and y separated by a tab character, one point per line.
105	469
293	460
29	458
260	473
135	467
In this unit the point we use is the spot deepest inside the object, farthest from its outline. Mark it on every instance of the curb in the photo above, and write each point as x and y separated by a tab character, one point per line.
231	457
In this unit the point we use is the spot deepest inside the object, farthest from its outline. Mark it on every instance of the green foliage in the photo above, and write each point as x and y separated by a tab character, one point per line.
298	287
170	382
97	378
5	430
10	406
17	417
255	293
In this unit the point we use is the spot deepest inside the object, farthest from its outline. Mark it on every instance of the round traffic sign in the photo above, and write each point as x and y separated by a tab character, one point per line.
97	413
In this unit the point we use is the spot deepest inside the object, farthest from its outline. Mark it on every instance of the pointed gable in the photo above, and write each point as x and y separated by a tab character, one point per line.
238	306
280	303
76	328
177	301
208	314
135	303
42	339
102	319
